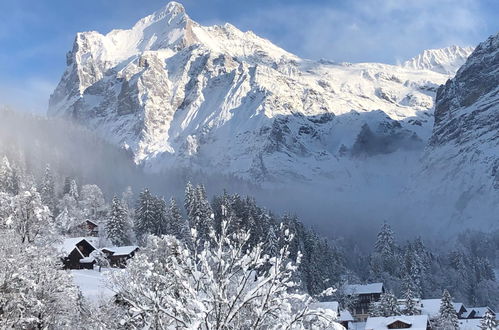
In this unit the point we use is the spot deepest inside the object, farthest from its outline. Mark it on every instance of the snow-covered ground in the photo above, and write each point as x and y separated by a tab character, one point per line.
93	284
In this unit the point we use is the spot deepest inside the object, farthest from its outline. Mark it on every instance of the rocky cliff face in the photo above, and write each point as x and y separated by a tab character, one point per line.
178	94
463	151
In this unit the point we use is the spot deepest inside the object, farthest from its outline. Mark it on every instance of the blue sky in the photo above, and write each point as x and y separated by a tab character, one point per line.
36	34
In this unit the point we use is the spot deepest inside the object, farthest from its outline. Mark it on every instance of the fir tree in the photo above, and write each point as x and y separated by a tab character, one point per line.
489	322
47	189
190	199
145	214
384	257
410	307
160	226
67	185
9	178
447	319
200	212
177	225
272	246
374	309
388	305
385	245
116	226
73	190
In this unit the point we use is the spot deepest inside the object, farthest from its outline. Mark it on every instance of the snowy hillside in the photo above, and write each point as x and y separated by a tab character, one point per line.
445	60
178	94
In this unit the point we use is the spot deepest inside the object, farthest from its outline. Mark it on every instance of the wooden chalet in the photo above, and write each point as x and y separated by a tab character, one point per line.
75	253
90	228
119	255
363	295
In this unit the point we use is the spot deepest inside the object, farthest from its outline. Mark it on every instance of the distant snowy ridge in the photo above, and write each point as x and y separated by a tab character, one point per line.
178	94
443	60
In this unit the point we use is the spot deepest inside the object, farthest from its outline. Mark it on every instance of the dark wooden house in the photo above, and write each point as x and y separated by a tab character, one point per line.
119	255
76	253
363	295
90	228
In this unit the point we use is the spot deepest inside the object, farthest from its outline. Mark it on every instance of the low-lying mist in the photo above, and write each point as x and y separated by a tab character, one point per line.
353	205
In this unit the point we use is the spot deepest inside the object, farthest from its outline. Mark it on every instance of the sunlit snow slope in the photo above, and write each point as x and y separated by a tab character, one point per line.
179	94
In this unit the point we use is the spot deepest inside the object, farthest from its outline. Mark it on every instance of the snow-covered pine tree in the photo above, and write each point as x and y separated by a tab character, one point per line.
384	258
145	214
272	246
388	305
160	217
189	199
127	201
73	190
374	309
9	178
489	322
410	307
447	319
116	225
177	225
5	174
201	213
66	187
384	242
47	190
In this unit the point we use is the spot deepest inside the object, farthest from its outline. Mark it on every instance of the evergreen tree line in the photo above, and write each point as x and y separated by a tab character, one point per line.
413	269
410	268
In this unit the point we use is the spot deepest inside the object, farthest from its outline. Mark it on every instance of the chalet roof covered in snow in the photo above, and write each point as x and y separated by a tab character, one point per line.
476	312
121	250
345	316
471	324
332	305
415	322
354	289
431	307
329	308
69	244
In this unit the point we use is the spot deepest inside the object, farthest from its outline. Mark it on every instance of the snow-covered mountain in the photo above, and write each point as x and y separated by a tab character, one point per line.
463	152
178	94
444	60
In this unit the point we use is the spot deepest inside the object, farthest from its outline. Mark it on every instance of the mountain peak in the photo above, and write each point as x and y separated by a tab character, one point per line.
442	60
171	10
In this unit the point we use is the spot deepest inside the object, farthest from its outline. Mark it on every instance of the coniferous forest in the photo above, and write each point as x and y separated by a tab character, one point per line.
184	240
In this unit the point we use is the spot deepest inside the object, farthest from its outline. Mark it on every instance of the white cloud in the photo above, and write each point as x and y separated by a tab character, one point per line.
371	30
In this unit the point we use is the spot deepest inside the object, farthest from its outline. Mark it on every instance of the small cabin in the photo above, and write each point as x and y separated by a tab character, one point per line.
90	228
119	255
75	253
